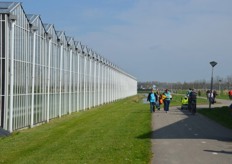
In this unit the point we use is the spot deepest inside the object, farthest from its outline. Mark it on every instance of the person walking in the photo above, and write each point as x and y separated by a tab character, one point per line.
230	97
189	102
152	98
158	99
163	97
230	94
214	96
193	101
167	100
210	97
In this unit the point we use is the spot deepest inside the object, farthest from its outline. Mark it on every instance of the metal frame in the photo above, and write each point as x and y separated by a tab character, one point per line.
46	74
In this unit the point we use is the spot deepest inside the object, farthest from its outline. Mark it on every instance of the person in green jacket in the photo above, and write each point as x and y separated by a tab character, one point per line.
167	100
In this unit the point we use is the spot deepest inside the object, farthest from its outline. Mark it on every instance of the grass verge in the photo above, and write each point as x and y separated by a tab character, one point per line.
114	133
222	115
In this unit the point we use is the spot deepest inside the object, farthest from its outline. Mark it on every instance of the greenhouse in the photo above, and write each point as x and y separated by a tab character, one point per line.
45	74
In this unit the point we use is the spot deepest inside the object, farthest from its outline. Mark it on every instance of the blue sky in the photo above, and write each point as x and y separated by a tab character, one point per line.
161	40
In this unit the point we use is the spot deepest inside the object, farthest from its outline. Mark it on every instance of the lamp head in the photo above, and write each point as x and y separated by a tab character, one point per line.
213	63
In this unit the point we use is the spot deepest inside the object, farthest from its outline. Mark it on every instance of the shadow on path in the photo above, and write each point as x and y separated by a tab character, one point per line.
178	133
187	126
222	151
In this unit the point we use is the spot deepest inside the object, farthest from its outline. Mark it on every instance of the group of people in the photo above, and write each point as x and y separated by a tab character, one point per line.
156	99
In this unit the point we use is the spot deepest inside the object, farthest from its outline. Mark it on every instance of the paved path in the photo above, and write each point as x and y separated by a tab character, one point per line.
181	138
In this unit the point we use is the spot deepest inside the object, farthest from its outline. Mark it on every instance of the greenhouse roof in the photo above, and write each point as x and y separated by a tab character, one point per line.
7	7
32	17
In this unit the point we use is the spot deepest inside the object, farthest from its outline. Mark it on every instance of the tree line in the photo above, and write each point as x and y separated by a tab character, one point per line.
219	84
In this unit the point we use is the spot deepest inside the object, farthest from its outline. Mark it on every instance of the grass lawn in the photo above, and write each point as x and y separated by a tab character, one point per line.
223	96
118	132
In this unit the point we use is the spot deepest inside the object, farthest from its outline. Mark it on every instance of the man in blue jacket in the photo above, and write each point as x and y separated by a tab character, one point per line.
152	98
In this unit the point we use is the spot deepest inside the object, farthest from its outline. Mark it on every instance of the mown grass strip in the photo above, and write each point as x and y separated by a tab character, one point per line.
118	132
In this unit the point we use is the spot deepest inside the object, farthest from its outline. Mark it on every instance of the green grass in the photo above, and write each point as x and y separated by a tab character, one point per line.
222	115
114	133
222	96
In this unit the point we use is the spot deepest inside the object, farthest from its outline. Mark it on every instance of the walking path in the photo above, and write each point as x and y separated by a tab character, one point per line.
181	138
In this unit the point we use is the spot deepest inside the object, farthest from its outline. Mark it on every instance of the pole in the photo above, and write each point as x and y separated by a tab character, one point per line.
12	76
212	63
61	77
33	79
48	77
211	89
219	88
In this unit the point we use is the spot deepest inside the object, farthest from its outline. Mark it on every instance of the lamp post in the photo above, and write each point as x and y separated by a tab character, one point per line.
212	63
219	86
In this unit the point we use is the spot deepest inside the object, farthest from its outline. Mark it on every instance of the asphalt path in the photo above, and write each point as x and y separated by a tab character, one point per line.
179	137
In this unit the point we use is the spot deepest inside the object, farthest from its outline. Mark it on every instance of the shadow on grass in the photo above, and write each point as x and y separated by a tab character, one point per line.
145	135
4	133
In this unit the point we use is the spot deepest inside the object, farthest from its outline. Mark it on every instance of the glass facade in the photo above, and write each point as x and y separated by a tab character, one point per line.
45	74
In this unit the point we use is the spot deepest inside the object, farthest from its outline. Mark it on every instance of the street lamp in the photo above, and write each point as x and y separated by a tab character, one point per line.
212	63
219	86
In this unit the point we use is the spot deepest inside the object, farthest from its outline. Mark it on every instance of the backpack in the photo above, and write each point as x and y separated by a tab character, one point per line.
193	95
160	101
163	97
211	99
